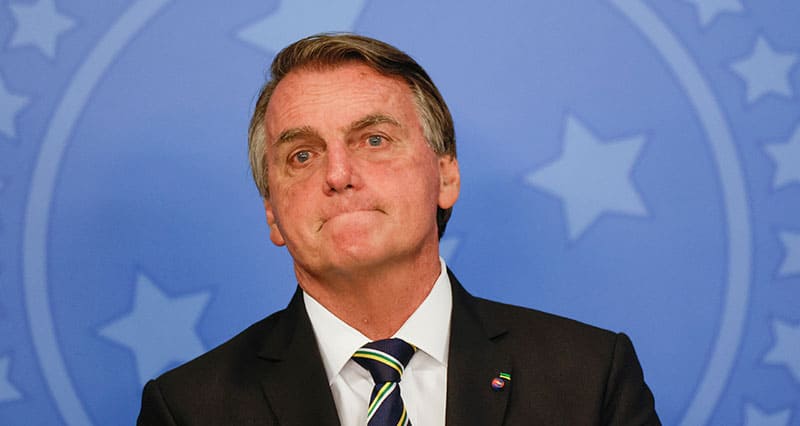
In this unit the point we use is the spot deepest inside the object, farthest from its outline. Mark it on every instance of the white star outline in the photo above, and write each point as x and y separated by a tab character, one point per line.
10	107
7	391
592	177
160	330
291	21
786	350
765	71
786	157
39	25
791	258
710	10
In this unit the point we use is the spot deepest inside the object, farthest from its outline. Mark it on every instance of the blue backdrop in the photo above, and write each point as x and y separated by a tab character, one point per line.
632	164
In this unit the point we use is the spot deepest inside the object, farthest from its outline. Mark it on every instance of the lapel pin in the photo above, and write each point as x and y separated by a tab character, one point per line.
499	382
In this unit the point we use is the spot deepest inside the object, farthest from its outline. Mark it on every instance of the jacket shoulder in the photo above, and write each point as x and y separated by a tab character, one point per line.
239	352
553	328
222	386
587	371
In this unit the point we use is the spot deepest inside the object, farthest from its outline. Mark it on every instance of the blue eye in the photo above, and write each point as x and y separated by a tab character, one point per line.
375	140
302	156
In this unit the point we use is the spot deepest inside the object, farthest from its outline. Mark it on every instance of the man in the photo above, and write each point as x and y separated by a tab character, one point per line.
353	150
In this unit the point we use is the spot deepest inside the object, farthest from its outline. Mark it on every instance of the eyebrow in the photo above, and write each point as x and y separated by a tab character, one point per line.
289	135
304	132
372	120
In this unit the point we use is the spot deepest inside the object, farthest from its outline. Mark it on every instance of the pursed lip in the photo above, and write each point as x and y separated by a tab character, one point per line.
345	211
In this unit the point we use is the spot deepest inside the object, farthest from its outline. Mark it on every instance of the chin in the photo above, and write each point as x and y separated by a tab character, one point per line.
363	253
352	236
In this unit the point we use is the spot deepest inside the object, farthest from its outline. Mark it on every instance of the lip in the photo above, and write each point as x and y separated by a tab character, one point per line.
346	212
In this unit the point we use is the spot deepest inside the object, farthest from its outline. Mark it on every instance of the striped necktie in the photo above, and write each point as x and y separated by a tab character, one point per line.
385	360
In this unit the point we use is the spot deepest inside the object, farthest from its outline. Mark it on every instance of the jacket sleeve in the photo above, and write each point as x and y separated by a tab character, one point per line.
627	400
154	411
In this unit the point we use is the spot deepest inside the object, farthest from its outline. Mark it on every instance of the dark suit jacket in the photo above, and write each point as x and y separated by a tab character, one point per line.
562	373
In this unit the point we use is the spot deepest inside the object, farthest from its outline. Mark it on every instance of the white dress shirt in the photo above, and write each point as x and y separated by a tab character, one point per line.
424	382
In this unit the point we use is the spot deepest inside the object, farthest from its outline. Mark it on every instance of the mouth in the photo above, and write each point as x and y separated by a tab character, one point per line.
345	213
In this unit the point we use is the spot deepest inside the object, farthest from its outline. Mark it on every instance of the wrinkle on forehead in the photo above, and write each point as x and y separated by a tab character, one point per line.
373	120
295	85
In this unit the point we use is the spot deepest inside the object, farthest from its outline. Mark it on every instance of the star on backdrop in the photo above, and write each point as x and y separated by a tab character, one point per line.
40	25
765	71
292	21
160	330
786	157
753	416
7	391
10	106
592	177
791	260
708	10
786	348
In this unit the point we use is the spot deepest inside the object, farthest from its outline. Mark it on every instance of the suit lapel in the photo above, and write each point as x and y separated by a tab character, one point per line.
295	382
474	361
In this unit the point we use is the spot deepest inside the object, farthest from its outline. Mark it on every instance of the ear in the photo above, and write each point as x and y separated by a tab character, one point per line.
274	232
449	181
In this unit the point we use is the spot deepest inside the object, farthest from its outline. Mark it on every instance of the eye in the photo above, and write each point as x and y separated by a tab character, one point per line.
375	140
302	156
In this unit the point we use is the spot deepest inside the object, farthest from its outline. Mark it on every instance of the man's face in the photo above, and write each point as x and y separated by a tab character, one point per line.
353	182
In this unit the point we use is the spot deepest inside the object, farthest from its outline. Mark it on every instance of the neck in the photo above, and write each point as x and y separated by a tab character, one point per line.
376	301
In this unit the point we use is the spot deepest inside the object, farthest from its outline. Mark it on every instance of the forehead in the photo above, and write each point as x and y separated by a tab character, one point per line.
320	97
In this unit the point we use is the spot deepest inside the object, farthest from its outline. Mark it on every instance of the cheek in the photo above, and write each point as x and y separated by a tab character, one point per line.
288	208
292	188
418	185
287	179
427	174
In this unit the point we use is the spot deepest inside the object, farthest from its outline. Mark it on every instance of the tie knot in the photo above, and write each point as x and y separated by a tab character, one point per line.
385	359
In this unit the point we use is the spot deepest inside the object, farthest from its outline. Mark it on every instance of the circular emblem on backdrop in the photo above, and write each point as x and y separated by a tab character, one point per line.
106	270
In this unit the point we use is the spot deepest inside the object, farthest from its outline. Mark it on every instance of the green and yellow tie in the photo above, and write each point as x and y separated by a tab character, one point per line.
385	360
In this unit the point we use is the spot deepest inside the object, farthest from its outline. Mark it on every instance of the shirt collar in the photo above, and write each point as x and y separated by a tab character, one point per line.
428	328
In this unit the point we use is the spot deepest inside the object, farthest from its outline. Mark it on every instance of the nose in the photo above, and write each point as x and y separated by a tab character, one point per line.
339	174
